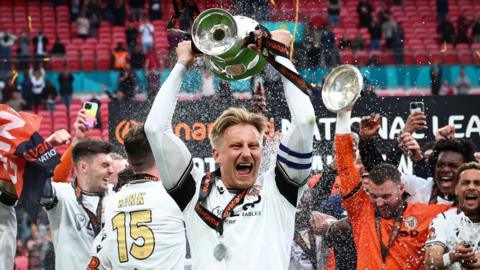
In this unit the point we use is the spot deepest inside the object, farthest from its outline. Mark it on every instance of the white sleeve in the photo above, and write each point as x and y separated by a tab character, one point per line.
295	150
437	232
171	155
420	189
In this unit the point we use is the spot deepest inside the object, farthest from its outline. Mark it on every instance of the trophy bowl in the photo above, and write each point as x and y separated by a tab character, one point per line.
220	36
342	88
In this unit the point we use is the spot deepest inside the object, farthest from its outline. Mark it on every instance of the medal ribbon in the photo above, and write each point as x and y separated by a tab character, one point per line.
208	217
269	48
393	233
95	220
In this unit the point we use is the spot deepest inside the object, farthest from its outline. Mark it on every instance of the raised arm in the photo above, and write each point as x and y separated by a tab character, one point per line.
171	155
295	155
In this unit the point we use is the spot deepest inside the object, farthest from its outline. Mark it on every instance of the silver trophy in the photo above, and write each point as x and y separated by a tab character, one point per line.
220	36
342	88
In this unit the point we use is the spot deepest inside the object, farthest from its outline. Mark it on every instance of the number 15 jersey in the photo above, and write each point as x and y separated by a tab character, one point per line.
144	229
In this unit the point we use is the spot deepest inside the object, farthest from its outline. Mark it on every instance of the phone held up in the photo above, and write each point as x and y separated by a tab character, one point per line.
90	109
417	106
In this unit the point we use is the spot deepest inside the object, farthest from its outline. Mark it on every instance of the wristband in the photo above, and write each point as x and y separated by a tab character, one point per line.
446	259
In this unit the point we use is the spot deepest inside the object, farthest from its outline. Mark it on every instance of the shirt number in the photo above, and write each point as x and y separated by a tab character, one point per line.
139	249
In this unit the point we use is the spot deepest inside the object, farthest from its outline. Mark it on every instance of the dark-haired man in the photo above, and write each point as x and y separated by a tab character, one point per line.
454	236
389	233
141	209
75	213
447	156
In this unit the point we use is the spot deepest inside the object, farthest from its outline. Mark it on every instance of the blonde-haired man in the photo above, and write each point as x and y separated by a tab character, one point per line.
232	222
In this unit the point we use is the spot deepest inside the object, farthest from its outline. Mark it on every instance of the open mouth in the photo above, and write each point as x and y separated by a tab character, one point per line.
446	181
244	168
471	198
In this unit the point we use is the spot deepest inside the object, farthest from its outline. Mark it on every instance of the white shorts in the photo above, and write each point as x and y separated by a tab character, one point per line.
8	236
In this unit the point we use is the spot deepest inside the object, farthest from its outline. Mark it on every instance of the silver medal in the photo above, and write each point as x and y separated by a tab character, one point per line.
220	251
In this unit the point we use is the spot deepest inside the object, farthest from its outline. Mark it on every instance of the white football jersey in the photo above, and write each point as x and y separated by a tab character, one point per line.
258	233
8	235
144	229
420	189
450	228
72	233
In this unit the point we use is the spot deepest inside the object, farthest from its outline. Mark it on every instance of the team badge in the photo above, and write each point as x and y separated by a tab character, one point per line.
80	221
411	222
431	234
94	263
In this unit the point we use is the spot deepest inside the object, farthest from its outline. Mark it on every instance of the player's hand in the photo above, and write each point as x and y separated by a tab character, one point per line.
462	254
320	222
184	53
472	264
80	128
59	137
408	144
369	126
282	36
415	122
445	133
259	104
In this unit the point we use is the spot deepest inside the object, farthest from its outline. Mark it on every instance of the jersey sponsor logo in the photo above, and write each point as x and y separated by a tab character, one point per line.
252	204
44	151
198	131
411	222
94	263
431	234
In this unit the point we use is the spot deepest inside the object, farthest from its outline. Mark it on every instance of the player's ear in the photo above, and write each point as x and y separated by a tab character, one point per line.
216	155
82	166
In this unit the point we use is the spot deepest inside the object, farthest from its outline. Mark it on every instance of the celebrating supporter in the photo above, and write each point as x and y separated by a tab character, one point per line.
224	208
76	210
389	233
454	236
22	175
141	204
447	155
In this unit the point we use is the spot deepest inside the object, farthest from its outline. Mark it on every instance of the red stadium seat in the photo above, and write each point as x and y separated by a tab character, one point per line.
421	57
408	58
361	58
57	62
73	62
465	57
450	57
346	57
103	63
88	62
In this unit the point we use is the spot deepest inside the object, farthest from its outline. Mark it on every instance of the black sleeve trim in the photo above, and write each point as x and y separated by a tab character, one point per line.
6	199
353	192
183	177
287	187
184	191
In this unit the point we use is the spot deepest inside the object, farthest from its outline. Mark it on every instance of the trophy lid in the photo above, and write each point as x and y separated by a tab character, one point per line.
214	31
342	87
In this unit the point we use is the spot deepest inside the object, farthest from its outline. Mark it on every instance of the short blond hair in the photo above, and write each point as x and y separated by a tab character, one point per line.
235	116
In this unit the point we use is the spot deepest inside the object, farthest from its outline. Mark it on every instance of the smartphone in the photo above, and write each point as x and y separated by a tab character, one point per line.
90	109
417	106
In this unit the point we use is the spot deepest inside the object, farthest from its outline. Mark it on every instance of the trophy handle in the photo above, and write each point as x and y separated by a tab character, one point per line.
342	88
